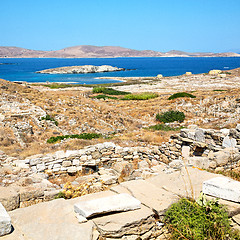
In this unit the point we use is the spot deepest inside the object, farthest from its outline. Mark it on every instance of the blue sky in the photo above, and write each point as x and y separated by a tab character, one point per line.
161	25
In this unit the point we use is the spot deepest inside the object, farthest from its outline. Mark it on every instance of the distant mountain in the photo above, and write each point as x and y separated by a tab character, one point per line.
87	51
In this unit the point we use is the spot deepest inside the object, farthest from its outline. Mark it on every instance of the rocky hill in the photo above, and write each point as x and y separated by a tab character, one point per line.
86	51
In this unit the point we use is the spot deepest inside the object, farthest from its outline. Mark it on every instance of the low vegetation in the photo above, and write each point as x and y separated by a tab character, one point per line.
72	191
140	96
49	118
200	220
164	127
170	116
88	136
180	95
109	91
103	96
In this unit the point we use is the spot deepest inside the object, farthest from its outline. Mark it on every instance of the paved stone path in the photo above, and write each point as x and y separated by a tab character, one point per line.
56	220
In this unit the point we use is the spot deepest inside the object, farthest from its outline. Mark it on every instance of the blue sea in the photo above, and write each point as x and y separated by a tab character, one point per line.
23	69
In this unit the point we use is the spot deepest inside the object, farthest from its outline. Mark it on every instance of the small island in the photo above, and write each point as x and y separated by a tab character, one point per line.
81	69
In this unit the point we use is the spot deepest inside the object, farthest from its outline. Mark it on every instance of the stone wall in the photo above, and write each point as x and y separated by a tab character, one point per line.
203	148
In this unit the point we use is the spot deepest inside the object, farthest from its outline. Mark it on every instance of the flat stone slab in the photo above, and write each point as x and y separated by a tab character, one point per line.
53	220
125	223
150	195
222	187
115	203
182	182
5	221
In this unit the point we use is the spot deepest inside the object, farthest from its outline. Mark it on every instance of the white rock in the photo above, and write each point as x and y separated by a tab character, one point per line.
229	142
115	203
80	218
225	131
222	187
185	151
5	221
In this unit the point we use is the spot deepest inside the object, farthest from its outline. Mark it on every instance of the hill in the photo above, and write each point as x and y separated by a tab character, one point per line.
87	51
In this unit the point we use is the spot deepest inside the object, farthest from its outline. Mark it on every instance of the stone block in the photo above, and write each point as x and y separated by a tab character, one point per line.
9	198
222	187
108	179
66	163
5	221
199	162
116	203
129	223
229	142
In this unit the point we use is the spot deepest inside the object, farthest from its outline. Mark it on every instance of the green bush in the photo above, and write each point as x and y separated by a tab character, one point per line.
180	95
48	117
140	96
164	127
103	96
188	220
109	91
87	136
170	116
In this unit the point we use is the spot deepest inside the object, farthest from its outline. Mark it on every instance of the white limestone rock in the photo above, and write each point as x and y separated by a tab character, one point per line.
229	142
222	187
115	203
5	221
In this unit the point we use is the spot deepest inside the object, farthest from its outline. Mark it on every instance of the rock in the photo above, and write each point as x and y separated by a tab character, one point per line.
177	164
108	179
222	187
125	223
5	221
229	142
116	203
221	158
72	170
199	135
225	131
81	69
199	162
150	195
30	193
53	220
66	163
185	151
9	198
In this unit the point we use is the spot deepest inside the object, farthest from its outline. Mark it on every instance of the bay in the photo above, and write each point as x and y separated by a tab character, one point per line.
24	69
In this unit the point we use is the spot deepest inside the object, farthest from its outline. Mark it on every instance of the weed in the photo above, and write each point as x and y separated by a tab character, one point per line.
170	116
140	96
88	136
180	95
109	91
188	220
48	117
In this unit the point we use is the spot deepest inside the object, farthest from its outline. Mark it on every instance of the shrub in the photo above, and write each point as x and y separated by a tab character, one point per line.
140	96
88	136
103	96
48	117
170	116
181	94
109	91
164	127
188	220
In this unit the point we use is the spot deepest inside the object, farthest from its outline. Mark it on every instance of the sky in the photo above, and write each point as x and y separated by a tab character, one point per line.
160	25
